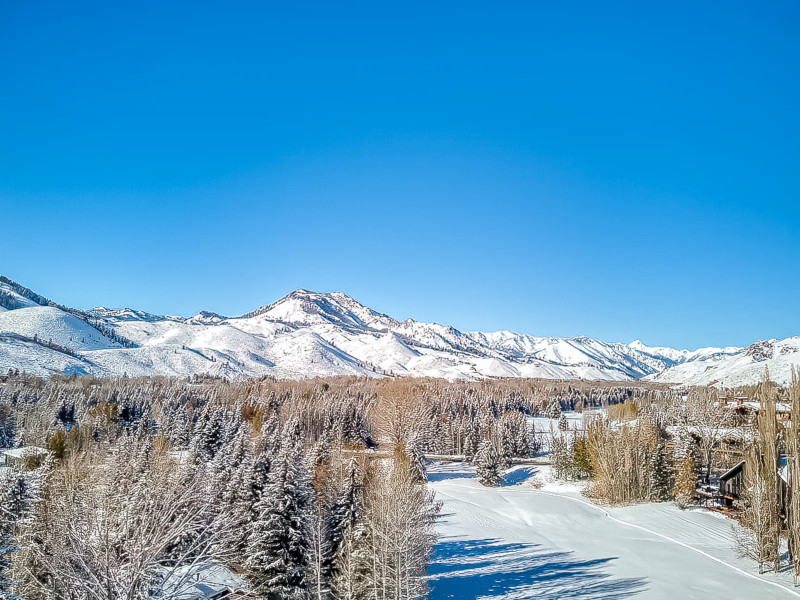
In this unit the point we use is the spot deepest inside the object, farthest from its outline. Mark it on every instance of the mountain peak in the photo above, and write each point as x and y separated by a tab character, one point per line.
304	307
309	333
206	317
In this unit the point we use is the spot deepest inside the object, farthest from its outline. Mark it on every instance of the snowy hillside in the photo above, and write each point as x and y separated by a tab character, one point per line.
309	334
55	326
738	366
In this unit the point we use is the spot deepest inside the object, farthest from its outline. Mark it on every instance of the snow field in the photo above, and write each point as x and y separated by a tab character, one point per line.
519	541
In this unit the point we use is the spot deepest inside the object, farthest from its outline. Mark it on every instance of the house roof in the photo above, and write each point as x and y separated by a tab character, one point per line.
23	451
733	472
201	582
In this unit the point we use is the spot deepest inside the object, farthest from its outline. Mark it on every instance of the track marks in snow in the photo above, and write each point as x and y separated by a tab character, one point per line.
515	542
678	542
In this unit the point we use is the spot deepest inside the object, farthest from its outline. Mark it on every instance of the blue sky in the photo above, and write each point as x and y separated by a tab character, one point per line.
557	169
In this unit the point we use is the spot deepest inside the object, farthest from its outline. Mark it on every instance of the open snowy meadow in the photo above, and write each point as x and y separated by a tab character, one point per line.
549	542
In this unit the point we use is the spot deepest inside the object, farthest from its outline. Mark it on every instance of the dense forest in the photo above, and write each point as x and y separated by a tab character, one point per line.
317	488
301	489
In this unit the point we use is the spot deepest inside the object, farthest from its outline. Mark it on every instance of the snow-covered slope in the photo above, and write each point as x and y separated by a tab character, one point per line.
54	326
518	541
737	366
13	296
309	334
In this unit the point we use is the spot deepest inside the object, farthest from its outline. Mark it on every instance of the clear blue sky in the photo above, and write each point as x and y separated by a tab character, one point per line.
618	170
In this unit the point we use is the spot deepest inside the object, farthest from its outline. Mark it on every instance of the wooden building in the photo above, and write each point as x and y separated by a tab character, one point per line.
731	484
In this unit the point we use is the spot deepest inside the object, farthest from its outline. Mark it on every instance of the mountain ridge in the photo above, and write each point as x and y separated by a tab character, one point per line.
307	333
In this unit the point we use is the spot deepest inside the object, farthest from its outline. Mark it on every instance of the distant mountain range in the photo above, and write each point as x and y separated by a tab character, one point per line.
307	334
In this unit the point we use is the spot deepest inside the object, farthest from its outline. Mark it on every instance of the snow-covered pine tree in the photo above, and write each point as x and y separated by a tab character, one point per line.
241	497
277	548
6	427
350	568
488	464
208	434
521	441
660	474
553	410
231	485
14	503
561	457
503	444
416	459
323	484
472	438
563	424
180	433
534	441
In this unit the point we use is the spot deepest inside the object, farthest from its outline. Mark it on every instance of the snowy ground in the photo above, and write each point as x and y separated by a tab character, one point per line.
517	541
547	428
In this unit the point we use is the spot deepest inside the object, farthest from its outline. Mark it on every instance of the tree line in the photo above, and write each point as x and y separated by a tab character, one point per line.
302	489
148	479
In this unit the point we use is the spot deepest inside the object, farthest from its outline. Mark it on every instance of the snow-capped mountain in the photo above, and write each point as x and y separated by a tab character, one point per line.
737	366
308	334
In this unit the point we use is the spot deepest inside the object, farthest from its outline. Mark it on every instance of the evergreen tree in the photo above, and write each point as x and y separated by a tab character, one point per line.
489	464
521	438
350	568
563	424
661	487
553	410
505	444
416	459
534	441
277	549
471	439
7	427
561	457
12	504
581	466
18	494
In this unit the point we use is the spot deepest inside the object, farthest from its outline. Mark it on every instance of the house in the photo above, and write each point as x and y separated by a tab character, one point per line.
731	483
208	581
17	457
745	410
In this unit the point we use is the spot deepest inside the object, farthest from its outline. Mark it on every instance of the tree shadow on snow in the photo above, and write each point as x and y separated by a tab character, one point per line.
485	568
518	476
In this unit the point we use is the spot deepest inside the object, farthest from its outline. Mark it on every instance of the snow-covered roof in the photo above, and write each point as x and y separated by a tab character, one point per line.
180	456
23	451
199	582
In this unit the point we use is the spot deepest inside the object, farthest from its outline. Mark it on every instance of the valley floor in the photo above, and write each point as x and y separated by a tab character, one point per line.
518	542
